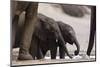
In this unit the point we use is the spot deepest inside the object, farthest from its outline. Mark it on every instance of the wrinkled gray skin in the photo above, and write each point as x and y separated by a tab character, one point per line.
46	33
48	41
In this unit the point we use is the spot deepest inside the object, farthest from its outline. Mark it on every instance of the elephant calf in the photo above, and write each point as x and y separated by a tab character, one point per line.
69	36
45	35
47	41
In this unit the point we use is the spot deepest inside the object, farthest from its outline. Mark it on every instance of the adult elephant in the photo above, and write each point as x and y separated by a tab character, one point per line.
45	40
92	30
30	8
46	34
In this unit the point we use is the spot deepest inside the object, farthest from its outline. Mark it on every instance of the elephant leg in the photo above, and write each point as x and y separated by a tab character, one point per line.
44	52
39	51
62	44
18	35
53	52
14	29
43	49
92	30
39	54
34	47
17	8
28	30
17	38
15	20
61	53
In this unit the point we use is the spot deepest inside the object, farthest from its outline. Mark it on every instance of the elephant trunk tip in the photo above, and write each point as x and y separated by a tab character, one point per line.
76	52
78	47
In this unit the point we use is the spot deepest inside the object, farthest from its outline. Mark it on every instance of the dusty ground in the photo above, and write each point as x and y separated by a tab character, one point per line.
80	58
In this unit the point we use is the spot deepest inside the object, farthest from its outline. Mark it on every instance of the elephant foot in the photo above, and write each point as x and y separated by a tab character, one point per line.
62	57
25	56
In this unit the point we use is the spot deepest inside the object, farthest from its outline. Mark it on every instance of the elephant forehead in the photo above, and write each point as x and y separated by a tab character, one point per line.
45	19
71	32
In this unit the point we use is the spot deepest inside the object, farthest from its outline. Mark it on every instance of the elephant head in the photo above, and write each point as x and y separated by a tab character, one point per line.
51	28
69	36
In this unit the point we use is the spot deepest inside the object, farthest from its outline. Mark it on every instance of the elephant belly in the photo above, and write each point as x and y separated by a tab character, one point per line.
47	45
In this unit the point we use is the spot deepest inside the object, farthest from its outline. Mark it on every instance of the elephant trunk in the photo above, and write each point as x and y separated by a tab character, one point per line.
78	47
62	44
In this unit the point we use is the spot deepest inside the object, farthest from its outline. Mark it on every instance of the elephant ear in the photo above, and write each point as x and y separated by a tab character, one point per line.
67	32
40	30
